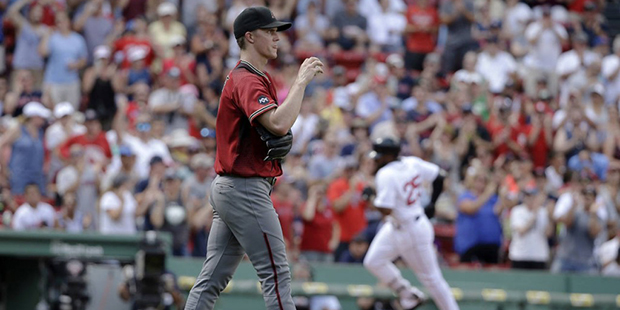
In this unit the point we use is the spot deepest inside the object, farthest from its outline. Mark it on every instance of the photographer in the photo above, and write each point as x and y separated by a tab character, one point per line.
171	296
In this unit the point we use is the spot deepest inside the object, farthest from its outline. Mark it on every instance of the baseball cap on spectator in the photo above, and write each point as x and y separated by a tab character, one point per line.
505	105
258	17
589	6
339	70
166	9
174	72
63	109
156	160
177	40
545	95
172	174
540	107
360	238
33	108
395	60
201	160
466	108
546	10
358	123
136	54
580	37
598	89
90	115
101	52
125	150
350	162
207	133
475	79
179	138
497	24
530	189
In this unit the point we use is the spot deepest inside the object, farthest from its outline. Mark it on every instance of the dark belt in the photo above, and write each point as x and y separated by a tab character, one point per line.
270	180
398	225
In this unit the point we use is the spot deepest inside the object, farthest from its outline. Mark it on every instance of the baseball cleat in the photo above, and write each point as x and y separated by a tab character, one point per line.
415	299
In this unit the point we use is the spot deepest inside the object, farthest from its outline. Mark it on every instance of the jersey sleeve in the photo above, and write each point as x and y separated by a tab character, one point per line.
386	191
253	98
428	171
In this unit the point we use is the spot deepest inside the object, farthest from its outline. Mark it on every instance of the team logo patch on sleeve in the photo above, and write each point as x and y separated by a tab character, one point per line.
263	99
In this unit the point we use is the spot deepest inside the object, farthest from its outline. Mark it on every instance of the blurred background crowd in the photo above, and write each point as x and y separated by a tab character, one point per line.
109	111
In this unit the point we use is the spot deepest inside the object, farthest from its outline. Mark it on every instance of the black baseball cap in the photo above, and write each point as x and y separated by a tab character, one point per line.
257	17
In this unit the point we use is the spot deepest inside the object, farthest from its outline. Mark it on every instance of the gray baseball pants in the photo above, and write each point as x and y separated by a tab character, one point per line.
244	221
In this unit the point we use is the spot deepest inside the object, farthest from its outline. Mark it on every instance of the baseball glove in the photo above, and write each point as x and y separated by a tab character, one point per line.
277	147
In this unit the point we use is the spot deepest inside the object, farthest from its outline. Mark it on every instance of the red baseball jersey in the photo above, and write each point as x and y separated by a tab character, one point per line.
248	93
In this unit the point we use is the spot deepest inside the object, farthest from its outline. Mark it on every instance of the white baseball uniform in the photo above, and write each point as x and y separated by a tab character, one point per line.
408	233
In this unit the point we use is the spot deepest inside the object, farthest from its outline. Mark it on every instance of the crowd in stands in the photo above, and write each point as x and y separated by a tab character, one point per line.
109	111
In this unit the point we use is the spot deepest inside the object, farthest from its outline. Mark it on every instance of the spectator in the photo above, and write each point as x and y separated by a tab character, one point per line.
578	210
166	27
134	9
321	231
23	91
123	163
27	150
302	273
169	102
70	219
590	164
546	38
180	59
94	26
81	178
530	228
30	31
136	37
345	197
608	255
374	106
421	33
385	28
539	135
137	106
305	126
173	215
196	191
34	214
101	86
311	30
118	208
571	66
210	45
496	65
591	23
66	54
138	72
286	201
458	16
348	29
478	229
58	133
356	250
325	166
96	146
610	67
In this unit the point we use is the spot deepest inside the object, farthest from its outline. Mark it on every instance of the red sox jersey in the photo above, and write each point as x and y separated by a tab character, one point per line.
400	185
247	94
